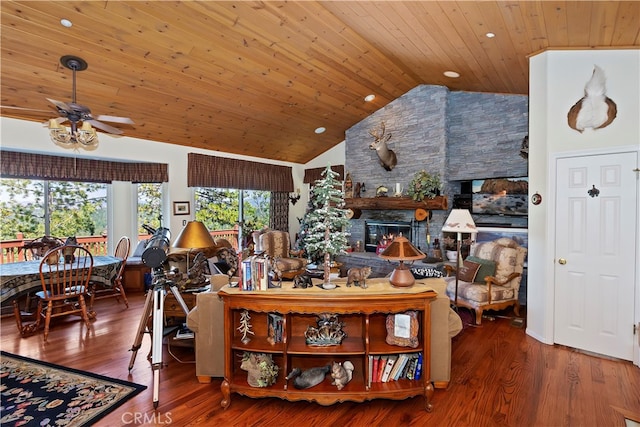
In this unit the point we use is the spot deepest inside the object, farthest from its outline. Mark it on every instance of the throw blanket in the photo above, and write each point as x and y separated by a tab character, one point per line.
378	286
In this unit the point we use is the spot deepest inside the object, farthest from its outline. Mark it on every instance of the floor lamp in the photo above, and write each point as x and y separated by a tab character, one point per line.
459	221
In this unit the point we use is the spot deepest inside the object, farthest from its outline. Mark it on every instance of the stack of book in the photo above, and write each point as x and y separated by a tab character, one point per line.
255	274
394	367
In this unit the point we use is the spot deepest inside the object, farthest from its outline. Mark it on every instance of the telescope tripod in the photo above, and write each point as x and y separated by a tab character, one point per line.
153	308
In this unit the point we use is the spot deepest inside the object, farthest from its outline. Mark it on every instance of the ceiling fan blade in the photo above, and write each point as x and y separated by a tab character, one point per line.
24	108
59	104
104	127
115	119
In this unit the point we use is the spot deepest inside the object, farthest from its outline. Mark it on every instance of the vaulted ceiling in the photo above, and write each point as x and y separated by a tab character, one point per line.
258	77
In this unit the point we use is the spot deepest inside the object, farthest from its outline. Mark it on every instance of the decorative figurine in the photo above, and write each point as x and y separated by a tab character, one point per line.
245	326
329	331
341	373
358	276
302	281
309	378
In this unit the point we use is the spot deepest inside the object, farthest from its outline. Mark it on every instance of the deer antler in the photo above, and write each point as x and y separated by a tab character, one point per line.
374	132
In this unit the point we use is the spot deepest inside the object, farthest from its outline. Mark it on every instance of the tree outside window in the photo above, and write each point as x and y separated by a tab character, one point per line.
56	208
149	206
218	208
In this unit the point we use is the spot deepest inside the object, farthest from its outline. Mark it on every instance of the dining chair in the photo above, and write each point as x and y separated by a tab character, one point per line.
64	285
116	288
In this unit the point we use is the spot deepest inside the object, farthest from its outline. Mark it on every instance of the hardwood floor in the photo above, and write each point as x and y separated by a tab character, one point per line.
500	377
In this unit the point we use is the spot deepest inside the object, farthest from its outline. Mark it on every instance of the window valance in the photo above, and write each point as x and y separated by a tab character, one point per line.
312	175
15	164
223	172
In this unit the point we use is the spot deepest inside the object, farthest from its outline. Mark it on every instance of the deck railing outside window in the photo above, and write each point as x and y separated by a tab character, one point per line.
14	251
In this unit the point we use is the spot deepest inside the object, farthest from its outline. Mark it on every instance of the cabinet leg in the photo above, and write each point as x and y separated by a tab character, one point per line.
428	395
226	394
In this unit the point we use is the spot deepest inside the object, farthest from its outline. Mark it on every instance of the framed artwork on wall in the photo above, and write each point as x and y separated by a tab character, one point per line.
181	208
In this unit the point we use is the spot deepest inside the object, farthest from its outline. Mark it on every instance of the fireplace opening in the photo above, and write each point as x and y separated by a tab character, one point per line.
376	233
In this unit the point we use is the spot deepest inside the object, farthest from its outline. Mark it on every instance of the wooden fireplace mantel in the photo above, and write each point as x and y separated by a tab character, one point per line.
382	203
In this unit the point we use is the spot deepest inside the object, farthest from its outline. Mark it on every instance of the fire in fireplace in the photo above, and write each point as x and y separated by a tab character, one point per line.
377	232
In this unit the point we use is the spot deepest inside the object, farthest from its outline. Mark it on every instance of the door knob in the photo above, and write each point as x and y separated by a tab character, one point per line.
562	261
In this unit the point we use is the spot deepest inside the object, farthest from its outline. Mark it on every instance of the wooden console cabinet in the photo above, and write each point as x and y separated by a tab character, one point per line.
363	313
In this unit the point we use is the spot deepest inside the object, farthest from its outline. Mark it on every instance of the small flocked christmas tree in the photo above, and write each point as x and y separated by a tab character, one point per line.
325	223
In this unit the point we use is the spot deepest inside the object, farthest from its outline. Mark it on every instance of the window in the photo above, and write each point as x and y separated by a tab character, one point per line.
56	208
149	206
218	209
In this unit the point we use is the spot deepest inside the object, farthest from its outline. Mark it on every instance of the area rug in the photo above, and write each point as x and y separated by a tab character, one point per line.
34	393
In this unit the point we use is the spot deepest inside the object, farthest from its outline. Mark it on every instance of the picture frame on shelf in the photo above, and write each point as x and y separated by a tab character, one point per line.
402	329
181	208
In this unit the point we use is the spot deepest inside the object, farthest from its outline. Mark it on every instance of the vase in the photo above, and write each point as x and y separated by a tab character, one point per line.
452	255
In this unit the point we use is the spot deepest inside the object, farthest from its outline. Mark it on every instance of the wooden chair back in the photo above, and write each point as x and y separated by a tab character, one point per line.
61	279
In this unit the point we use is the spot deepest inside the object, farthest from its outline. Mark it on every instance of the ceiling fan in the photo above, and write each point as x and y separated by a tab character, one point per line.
75	112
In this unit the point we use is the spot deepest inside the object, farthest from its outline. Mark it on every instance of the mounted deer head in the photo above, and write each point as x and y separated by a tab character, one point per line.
388	158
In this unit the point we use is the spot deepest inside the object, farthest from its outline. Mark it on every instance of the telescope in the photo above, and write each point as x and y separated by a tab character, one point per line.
156	252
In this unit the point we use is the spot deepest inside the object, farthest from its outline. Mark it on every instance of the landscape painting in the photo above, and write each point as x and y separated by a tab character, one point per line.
500	196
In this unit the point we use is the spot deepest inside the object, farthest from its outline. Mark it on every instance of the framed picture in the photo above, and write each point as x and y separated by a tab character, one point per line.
181	208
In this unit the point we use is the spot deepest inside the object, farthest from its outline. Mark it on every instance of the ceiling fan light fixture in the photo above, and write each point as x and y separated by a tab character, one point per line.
65	137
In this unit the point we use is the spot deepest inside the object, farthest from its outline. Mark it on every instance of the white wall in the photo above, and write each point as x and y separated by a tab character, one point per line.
33	137
557	80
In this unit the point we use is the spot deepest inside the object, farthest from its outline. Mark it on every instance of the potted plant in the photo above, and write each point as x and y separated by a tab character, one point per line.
424	185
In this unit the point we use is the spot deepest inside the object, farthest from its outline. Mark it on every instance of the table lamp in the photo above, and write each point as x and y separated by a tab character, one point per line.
401	250
459	221
194	235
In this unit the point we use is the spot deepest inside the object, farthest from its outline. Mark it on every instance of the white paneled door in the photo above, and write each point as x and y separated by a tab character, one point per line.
595	254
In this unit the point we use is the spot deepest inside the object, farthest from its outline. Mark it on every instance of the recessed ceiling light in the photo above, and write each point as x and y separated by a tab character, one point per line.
66	23
490	35
451	74
320	130
369	98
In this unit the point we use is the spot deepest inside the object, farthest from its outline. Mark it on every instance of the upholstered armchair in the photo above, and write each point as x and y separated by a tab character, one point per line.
489	278
277	246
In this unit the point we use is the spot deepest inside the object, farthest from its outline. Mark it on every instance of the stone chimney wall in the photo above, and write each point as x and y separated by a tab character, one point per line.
458	135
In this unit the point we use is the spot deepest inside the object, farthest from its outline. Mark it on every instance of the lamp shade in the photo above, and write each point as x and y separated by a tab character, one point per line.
194	235
459	221
401	249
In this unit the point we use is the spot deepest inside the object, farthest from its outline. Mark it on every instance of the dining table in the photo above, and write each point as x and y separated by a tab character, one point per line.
20	279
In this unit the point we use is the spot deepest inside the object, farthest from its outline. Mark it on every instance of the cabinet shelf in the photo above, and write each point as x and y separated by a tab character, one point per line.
348	346
362	313
401	203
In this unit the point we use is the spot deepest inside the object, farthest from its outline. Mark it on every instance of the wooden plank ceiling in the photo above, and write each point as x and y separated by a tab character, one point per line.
257	78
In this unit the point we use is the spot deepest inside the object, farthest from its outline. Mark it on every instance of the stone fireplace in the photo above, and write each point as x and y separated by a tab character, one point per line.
459	135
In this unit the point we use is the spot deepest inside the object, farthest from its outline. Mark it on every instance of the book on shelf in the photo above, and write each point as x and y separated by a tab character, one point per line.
275	322
399	366
391	360
374	369
381	365
418	373
370	376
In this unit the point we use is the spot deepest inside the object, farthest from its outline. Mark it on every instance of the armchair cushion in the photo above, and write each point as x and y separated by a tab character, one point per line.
468	271
506	258
479	292
487	268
